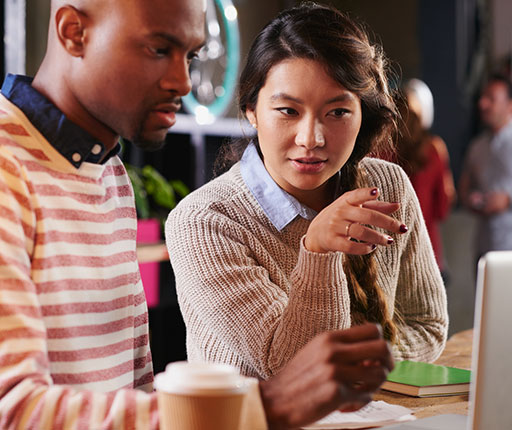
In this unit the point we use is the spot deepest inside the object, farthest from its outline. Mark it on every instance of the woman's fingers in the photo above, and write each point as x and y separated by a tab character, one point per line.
349	246
359	196
364	208
370	217
368	235
350	224
383	207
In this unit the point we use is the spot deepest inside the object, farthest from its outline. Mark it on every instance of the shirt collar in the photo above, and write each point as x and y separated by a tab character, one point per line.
280	207
70	140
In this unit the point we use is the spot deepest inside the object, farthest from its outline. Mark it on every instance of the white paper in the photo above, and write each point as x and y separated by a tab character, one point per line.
374	414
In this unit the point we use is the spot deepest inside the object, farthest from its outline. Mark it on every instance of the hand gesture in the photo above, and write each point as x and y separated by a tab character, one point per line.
352	216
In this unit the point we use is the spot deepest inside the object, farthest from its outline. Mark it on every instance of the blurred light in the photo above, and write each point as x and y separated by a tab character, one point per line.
195	77
214	28
203	115
231	13
220	91
213	49
203	54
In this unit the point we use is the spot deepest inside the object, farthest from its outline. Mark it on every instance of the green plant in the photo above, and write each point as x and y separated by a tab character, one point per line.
155	196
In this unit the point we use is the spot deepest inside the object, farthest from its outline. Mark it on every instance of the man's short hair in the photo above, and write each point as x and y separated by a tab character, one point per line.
498	77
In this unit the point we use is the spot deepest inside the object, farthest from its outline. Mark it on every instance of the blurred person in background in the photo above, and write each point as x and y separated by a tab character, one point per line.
425	159
485	184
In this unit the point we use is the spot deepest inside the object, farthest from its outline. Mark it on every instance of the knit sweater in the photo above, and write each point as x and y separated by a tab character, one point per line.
252	296
73	318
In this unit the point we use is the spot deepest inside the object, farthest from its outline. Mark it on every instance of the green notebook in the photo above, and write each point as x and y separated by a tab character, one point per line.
419	379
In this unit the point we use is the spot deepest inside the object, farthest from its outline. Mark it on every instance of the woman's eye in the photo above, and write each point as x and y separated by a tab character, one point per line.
338	113
287	111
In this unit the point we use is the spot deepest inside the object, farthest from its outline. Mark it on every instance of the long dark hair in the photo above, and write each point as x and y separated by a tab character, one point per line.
326	35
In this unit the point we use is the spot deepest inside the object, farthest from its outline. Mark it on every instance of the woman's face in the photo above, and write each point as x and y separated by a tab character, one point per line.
307	126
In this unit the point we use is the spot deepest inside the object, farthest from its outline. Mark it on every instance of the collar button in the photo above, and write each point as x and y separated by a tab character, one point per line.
96	149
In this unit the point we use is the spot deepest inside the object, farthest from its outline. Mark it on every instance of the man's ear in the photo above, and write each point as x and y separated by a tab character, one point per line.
70	24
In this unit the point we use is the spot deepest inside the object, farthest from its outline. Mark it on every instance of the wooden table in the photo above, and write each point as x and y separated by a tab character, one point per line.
456	354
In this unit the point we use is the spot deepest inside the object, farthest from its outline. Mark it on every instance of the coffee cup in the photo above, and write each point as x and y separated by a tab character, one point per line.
200	396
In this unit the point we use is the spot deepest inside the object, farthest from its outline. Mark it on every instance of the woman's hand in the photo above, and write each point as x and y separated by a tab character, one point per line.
350	217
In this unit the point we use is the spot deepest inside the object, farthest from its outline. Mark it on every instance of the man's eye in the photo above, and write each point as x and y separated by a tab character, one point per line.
159	52
192	56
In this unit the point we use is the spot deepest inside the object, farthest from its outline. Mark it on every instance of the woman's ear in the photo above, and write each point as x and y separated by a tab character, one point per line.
251	116
71	24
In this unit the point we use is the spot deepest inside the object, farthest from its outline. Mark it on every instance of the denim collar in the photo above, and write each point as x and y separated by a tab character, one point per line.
70	140
280	207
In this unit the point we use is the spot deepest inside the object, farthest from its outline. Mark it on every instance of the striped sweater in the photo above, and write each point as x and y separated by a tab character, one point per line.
252	296
74	347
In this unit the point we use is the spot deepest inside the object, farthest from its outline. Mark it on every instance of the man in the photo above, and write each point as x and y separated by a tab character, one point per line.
486	181
74	346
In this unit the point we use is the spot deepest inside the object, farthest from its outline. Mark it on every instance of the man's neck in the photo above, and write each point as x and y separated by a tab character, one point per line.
497	129
61	96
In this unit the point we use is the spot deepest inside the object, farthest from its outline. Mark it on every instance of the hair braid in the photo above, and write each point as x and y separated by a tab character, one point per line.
367	299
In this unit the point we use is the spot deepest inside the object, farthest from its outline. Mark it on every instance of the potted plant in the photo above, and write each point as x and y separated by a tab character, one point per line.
155	196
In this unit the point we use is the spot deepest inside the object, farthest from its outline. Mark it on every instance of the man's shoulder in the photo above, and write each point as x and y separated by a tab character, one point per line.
13	123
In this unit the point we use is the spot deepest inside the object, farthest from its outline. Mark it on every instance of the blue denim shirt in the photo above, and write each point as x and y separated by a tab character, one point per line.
71	141
279	206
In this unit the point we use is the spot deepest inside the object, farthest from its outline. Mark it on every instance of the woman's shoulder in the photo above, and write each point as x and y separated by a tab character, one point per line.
379	168
227	191
389	177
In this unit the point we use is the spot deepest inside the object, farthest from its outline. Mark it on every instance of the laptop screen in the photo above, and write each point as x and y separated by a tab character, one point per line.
490	396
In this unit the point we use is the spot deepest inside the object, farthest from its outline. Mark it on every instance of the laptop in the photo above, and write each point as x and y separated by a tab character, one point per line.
490	399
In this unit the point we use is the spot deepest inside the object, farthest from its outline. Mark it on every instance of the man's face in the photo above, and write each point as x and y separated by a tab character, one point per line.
135	66
495	105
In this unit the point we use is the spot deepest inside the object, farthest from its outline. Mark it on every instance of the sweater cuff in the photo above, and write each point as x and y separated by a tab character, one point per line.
319	269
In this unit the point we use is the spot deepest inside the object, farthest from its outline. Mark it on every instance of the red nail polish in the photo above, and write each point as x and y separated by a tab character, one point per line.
390	240
374	192
374	247
403	228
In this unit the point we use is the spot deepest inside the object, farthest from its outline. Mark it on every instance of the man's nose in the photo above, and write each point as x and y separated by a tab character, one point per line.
177	77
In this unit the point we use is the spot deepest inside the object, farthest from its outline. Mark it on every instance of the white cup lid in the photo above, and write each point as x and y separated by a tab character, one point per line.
184	377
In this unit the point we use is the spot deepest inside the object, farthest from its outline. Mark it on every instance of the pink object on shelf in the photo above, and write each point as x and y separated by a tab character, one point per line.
148	231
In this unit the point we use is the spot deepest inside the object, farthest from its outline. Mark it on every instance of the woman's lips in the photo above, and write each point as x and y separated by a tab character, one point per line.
308	165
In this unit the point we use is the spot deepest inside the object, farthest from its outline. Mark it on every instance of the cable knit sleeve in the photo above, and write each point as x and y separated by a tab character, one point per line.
247	297
411	274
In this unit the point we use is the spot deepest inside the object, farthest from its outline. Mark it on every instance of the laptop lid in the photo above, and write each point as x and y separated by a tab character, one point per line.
490	395
490	400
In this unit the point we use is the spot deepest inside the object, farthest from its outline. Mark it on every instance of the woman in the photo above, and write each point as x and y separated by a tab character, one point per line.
304	234
425	159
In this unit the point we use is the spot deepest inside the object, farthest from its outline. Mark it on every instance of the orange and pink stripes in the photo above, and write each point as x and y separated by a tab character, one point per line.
74	342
